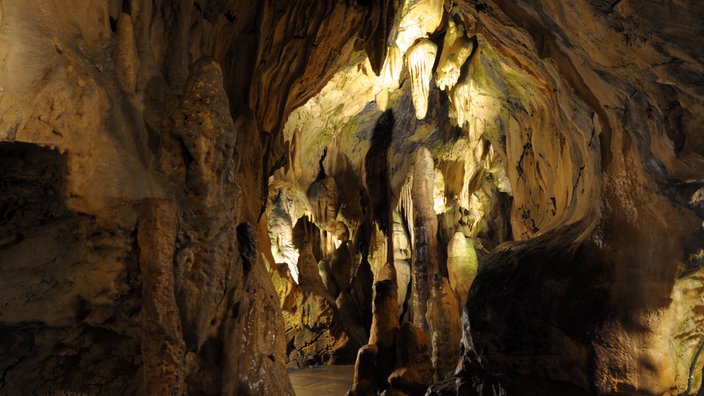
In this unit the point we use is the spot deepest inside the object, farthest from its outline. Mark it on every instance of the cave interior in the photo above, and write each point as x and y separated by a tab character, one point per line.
453	197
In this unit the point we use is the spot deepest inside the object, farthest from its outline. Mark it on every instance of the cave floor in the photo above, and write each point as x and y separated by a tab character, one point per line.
322	381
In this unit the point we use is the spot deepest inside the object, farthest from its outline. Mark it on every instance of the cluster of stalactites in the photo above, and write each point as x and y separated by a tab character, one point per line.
419	19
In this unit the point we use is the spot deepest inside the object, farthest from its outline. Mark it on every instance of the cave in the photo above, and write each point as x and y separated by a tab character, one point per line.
408	197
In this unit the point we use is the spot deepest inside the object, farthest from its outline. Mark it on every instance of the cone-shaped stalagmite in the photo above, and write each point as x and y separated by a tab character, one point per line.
384	328
445	328
414	370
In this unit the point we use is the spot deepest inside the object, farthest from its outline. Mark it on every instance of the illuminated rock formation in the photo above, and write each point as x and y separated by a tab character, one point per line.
420	59
418	18
456	48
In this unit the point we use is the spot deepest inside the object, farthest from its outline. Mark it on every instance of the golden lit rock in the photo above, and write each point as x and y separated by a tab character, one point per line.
455	50
420	59
418	18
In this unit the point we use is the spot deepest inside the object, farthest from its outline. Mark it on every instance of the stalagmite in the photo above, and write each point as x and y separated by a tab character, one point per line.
445	328
384	328
127	58
414	370
461	265
163	347
420	60
365	382
425	257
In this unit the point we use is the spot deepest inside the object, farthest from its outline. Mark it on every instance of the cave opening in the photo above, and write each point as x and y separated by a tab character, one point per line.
397	187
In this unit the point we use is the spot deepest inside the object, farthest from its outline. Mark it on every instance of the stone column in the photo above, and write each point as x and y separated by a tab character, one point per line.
425	248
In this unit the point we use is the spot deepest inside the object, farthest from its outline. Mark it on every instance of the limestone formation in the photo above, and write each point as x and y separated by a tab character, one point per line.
314	331
414	370
456	48
163	348
127	58
420	59
461	265
444	328
324	200
101	86
418	18
425	259
365	372
384	328
168	166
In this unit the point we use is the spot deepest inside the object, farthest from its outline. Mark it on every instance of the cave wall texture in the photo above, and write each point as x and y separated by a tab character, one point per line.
149	148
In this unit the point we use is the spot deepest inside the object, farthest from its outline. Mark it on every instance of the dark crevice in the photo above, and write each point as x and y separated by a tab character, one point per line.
247	246
691	374
612	6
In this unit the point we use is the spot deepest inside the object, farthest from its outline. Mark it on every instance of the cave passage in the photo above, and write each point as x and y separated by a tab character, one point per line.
404	197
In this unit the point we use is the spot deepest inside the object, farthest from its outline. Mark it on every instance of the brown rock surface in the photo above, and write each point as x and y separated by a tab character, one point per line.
425	246
162	342
384	328
444	327
414	369
365	372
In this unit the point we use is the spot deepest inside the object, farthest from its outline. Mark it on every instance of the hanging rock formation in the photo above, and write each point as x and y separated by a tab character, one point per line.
421	58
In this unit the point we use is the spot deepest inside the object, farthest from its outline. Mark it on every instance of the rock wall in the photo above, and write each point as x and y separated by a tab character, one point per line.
137	139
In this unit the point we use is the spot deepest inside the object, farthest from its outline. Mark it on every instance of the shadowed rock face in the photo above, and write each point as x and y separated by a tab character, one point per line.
141	143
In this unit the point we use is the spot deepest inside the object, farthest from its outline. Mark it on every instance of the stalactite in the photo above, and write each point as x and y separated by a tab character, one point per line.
391	72
420	60
456	49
